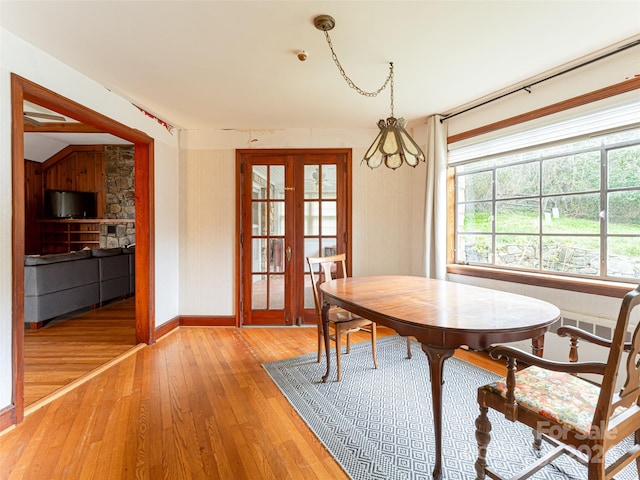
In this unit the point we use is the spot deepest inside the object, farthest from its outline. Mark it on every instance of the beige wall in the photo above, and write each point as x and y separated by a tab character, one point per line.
387	214
207	232
603	73
388	219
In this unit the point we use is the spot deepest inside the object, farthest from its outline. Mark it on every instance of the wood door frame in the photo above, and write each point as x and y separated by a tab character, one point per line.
21	90
240	153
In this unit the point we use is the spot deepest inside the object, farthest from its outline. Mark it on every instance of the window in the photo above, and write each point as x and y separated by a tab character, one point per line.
570	207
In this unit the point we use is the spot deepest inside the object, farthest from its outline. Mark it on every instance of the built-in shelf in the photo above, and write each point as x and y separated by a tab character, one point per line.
66	235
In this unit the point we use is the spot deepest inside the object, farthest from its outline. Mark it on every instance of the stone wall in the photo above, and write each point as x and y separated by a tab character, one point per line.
555	258
120	196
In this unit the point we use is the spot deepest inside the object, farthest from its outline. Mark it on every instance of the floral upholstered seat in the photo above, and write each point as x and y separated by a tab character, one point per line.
558	396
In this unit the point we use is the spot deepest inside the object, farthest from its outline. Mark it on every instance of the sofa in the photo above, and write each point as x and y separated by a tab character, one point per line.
59	284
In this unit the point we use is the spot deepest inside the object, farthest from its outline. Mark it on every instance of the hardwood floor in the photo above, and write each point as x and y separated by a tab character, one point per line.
65	350
196	405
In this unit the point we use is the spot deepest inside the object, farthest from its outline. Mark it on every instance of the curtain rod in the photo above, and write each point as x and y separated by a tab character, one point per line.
527	87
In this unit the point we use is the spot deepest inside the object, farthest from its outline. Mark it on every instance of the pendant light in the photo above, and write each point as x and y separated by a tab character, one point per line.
393	146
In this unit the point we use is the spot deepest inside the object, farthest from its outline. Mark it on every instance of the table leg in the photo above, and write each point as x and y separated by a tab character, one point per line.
436	357
325	331
537	346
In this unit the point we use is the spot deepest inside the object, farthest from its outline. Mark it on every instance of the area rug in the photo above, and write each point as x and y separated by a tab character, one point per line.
378	423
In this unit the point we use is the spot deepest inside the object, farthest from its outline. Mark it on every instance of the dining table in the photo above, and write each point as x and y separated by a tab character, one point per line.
443	316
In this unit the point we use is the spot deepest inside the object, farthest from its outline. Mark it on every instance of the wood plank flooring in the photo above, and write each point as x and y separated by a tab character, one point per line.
65	350
196	405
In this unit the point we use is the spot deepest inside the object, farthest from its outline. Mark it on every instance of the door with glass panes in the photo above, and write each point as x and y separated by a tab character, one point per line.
293	204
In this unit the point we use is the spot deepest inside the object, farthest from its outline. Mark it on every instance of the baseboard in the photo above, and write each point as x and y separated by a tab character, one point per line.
195	321
7	418
167	327
207	321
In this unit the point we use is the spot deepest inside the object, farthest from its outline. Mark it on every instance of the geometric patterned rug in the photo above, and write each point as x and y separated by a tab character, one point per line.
378	423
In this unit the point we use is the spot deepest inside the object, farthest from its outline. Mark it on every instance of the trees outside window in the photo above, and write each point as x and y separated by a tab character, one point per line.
570	208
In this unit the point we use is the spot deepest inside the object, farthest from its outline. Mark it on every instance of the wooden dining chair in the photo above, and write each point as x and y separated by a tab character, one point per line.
578	417
341	322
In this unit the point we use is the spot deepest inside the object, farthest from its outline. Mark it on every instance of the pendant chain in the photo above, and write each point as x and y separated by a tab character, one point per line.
388	81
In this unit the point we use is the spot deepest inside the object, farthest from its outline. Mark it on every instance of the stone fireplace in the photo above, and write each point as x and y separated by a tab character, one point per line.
120	197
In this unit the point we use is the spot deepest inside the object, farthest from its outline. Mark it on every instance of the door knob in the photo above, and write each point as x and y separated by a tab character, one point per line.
287	252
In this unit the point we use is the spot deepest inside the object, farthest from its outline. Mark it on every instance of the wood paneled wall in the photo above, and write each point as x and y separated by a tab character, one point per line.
32	206
77	168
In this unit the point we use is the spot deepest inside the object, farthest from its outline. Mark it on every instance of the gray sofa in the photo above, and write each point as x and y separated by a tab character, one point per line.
59	284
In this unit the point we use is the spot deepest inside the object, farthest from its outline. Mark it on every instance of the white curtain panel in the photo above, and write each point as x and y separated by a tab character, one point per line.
436	199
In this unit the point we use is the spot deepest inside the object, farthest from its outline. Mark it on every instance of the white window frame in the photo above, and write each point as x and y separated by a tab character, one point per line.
612	114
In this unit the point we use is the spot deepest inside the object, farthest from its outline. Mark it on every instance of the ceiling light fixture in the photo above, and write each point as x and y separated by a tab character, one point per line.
393	145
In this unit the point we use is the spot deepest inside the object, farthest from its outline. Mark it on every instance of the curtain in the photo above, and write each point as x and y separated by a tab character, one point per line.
436	199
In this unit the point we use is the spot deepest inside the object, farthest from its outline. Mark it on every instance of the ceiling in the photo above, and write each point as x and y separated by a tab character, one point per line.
233	64
40	146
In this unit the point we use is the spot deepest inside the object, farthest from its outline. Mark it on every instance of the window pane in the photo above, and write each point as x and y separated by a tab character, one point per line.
311	249
311	186
475	217
517	216
276	255
259	254
329	218
474	249
477	186
259	182
577	173
276	177
259	218
276	292
329	247
475	166
518	251
311	219
309	302
624	167
277	218
571	147
623	213
517	158
259	292
623	257
518	180
623	136
577	214
329	186
579	255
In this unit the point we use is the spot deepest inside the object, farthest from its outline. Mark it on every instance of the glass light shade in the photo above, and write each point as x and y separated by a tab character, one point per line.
393	146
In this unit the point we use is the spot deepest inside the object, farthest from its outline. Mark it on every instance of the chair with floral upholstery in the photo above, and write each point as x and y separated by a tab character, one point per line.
577	416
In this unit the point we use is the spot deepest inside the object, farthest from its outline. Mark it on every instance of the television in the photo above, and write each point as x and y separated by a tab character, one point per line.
69	204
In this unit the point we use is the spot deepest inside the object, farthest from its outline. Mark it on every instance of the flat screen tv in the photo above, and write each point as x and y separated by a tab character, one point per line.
68	204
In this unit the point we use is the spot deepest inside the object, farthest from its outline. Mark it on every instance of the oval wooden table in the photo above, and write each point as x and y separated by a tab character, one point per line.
442	316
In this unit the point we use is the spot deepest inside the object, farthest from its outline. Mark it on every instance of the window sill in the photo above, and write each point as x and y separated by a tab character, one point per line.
595	287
